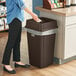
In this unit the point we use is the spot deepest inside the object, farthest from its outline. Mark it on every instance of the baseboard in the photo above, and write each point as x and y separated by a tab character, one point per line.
61	61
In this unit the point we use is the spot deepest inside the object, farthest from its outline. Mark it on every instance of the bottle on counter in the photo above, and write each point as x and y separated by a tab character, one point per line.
54	5
57	3
63	3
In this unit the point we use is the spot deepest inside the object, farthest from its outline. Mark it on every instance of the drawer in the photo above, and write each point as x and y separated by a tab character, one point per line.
70	20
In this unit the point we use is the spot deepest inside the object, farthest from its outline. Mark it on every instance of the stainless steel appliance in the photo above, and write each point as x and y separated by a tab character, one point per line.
73	3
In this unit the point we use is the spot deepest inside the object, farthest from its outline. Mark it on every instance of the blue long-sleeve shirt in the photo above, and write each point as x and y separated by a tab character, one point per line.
15	10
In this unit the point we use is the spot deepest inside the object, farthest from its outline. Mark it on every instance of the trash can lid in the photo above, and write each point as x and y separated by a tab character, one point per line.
44	25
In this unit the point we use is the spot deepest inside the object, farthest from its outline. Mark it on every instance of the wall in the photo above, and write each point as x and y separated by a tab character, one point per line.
37	3
27	16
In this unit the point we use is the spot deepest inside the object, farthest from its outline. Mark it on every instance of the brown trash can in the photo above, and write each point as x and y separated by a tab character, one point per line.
41	40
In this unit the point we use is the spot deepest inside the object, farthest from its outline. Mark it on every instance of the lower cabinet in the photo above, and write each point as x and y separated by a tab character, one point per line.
65	46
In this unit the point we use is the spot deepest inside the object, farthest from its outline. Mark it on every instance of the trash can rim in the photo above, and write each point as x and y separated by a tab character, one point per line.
48	32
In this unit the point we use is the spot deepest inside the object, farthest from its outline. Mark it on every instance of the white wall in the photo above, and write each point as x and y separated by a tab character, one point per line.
27	16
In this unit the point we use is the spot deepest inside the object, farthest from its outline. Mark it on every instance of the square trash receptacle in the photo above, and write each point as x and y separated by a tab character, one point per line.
41	41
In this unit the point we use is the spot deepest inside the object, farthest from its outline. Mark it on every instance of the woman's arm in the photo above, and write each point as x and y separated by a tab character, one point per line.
22	5
34	16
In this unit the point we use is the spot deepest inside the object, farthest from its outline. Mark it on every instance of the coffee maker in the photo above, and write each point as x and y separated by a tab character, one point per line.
68	3
73	2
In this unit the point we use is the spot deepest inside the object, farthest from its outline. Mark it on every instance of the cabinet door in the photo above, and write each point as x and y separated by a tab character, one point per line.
70	41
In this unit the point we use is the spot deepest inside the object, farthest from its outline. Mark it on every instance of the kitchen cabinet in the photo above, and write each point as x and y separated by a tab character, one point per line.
65	43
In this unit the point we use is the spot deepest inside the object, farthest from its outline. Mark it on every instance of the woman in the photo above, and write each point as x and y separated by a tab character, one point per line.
15	9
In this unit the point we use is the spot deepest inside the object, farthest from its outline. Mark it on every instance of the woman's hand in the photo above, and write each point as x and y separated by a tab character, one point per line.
34	16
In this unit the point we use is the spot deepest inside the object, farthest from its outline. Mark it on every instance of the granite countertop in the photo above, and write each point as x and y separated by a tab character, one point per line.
60	11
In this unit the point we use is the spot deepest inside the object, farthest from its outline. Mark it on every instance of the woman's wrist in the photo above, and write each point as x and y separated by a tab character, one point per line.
29	11
32	13
34	16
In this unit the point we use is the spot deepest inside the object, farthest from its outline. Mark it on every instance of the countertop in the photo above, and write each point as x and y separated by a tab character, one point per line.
60	11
